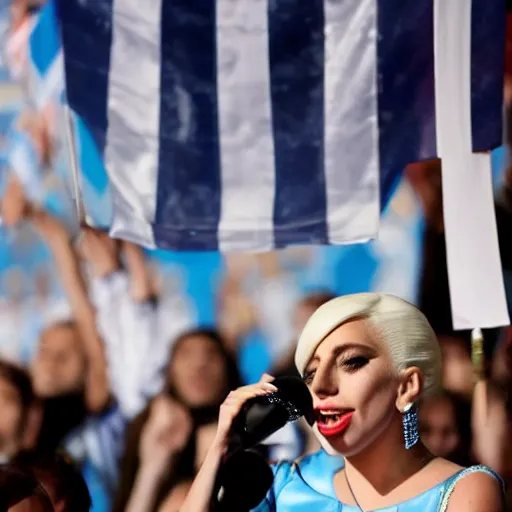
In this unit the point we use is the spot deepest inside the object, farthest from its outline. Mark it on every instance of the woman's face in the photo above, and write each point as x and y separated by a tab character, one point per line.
59	366
198	372
354	386
438	426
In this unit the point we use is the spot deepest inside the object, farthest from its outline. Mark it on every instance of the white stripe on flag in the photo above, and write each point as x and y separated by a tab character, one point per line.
132	147
474	266
245	126
51	85
15	47
351	120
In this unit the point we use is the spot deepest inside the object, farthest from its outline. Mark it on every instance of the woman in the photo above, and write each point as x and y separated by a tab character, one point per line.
367	359
56	474
167	442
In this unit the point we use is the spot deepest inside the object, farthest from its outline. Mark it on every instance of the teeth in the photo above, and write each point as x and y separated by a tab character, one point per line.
329	417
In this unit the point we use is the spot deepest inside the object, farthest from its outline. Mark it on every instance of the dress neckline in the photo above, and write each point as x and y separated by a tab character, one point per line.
393	507
334	464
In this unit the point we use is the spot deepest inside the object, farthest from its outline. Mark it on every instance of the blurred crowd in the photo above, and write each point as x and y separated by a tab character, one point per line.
110	400
118	404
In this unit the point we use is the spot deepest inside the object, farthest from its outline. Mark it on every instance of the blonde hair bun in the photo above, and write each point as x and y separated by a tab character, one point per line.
399	324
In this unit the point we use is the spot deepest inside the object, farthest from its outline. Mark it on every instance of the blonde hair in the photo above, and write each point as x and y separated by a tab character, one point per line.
399	324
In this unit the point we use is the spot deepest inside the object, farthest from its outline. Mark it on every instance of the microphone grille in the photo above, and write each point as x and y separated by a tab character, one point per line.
295	394
293	413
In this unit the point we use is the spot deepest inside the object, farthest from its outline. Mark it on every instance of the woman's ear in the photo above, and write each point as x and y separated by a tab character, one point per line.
409	390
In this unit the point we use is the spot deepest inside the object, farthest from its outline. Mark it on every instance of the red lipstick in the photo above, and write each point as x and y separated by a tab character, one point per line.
335	425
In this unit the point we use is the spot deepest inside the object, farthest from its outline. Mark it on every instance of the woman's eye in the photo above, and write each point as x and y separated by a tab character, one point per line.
354	363
308	377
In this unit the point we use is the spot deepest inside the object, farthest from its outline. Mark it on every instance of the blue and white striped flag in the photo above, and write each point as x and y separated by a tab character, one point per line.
24	162
256	124
46	68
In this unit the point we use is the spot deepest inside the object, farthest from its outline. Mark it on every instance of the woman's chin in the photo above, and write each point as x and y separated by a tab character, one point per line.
341	448
335	445
345	446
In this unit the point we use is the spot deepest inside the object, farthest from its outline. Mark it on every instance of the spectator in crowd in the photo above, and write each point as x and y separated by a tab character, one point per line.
69	373
114	328
16	400
82	335
58	377
501	366
445	427
167	442
60	479
21	492
501	377
457	365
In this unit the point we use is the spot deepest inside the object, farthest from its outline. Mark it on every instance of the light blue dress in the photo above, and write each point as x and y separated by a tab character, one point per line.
307	486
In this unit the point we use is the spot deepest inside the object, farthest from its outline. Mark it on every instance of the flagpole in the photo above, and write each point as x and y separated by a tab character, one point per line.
478	359
73	162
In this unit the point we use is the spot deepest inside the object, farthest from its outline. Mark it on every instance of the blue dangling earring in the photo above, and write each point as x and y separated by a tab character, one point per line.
410	425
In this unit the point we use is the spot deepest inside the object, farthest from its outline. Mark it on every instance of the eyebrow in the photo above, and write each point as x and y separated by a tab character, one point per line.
340	349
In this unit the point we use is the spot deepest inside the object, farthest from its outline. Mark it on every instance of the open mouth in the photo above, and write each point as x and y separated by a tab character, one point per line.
333	422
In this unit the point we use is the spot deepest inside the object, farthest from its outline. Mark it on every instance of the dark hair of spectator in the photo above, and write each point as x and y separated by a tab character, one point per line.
19	379
317	299
17	486
462	410
233	375
462	418
58	474
462	337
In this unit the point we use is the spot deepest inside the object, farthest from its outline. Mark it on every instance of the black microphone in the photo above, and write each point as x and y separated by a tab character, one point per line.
243	481
261	416
244	477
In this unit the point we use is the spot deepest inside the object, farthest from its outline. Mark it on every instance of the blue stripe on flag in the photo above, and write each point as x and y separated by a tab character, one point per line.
44	40
406	88
296	54
86	29
189	180
96	193
488	36
91	163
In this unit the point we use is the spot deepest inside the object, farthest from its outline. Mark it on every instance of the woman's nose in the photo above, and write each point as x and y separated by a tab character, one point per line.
324	383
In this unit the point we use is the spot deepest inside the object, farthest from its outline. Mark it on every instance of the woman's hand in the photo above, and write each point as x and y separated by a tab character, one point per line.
233	404
14	204
99	250
490	427
165	434
200	496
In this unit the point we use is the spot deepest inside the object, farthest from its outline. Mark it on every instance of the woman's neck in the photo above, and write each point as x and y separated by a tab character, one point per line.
386	463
